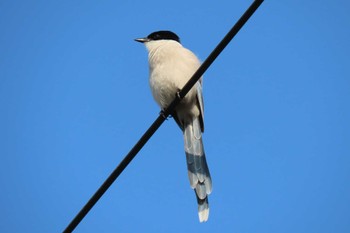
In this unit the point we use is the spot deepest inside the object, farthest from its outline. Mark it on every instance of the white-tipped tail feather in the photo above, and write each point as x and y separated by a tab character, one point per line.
203	215
198	172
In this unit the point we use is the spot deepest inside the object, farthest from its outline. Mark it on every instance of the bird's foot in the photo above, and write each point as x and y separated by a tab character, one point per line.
178	95
162	113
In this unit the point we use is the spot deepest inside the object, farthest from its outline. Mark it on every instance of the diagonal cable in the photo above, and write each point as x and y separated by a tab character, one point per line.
161	118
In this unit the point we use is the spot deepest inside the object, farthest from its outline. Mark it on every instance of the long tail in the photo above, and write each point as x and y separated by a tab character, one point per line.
198	171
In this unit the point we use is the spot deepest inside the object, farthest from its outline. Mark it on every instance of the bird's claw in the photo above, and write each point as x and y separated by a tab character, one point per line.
178	95
162	113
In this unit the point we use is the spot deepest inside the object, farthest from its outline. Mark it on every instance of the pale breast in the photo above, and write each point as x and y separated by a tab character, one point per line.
171	66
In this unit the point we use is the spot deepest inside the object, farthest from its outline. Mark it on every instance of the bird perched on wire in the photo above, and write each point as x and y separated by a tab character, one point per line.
171	66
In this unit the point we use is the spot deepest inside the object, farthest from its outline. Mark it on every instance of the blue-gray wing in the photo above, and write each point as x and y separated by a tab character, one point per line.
200	103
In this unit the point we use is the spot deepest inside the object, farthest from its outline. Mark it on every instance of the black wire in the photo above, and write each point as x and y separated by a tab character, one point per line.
161	118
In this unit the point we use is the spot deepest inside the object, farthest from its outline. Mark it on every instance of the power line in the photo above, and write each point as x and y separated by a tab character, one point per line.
161	118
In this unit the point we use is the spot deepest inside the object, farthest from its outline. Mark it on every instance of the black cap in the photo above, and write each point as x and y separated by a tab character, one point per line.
160	35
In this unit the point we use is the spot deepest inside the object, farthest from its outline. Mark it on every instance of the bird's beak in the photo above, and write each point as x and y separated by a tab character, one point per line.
142	40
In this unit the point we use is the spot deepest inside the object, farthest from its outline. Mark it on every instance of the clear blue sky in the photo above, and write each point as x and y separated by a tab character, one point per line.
74	98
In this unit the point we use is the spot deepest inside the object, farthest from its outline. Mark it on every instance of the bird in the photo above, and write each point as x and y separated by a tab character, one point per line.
170	67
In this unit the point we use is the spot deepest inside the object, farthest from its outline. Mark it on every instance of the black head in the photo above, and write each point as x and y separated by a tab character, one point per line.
160	35
163	35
